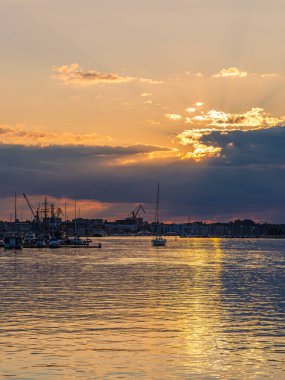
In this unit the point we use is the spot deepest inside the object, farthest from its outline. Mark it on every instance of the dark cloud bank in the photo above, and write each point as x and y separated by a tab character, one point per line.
247	180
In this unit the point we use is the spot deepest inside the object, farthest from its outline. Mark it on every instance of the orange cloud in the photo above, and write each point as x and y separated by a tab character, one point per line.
173	116
74	74
200	75
22	135
207	122
148	80
255	118
196	150
234	72
252	119
191	109
231	72
147	158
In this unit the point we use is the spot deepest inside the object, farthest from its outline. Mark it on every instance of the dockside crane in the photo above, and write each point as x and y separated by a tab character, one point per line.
58	213
137	210
35	215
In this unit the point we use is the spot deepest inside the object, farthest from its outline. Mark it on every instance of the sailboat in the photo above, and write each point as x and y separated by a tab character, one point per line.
158	240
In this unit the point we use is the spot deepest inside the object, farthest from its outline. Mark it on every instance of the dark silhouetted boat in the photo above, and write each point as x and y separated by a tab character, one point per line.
13	242
158	240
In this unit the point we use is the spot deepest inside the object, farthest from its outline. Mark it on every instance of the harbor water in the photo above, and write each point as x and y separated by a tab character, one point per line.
194	309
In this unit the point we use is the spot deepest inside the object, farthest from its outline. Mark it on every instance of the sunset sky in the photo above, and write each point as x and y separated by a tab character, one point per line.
101	100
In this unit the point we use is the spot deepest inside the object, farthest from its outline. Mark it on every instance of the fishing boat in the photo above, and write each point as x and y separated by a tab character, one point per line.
13	242
158	240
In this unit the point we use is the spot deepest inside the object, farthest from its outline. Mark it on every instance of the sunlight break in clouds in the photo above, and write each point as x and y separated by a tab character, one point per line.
157	155
198	150
73	74
234	72
219	121
21	135
255	118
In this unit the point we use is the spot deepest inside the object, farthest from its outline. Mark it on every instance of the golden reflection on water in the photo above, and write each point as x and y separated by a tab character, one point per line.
199	324
190	310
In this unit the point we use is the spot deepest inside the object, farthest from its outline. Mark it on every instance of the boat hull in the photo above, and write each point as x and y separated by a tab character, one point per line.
159	242
12	242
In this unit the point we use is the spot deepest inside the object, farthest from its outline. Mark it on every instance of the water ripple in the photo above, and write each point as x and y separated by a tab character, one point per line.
198	308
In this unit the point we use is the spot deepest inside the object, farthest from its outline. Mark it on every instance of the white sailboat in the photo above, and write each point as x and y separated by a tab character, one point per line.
158	240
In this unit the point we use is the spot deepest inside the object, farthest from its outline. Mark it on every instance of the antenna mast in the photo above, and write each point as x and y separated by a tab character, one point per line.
157	204
15	216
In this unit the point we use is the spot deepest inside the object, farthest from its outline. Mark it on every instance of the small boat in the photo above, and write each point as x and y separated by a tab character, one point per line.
158	240
76	241
29	240
40	243
13	242
54	243
30	236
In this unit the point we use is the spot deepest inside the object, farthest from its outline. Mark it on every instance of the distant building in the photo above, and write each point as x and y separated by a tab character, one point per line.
83	227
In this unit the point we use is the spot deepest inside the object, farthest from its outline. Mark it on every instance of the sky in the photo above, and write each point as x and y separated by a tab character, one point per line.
100	101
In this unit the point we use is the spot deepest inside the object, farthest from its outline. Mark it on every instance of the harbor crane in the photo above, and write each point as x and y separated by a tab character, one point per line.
35	215
137	211
58	213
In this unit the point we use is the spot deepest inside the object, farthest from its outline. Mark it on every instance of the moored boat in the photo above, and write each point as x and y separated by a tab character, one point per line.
40	243
13	242
76	241
54	243
158	240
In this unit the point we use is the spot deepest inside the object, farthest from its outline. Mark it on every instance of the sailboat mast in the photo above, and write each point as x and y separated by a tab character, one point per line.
75	216
15	216
157	240
157	204
15	204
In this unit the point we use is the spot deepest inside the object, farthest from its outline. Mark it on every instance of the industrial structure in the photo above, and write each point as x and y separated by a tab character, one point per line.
48	221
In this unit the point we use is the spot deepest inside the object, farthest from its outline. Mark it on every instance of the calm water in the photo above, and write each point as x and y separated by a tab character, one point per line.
196	309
